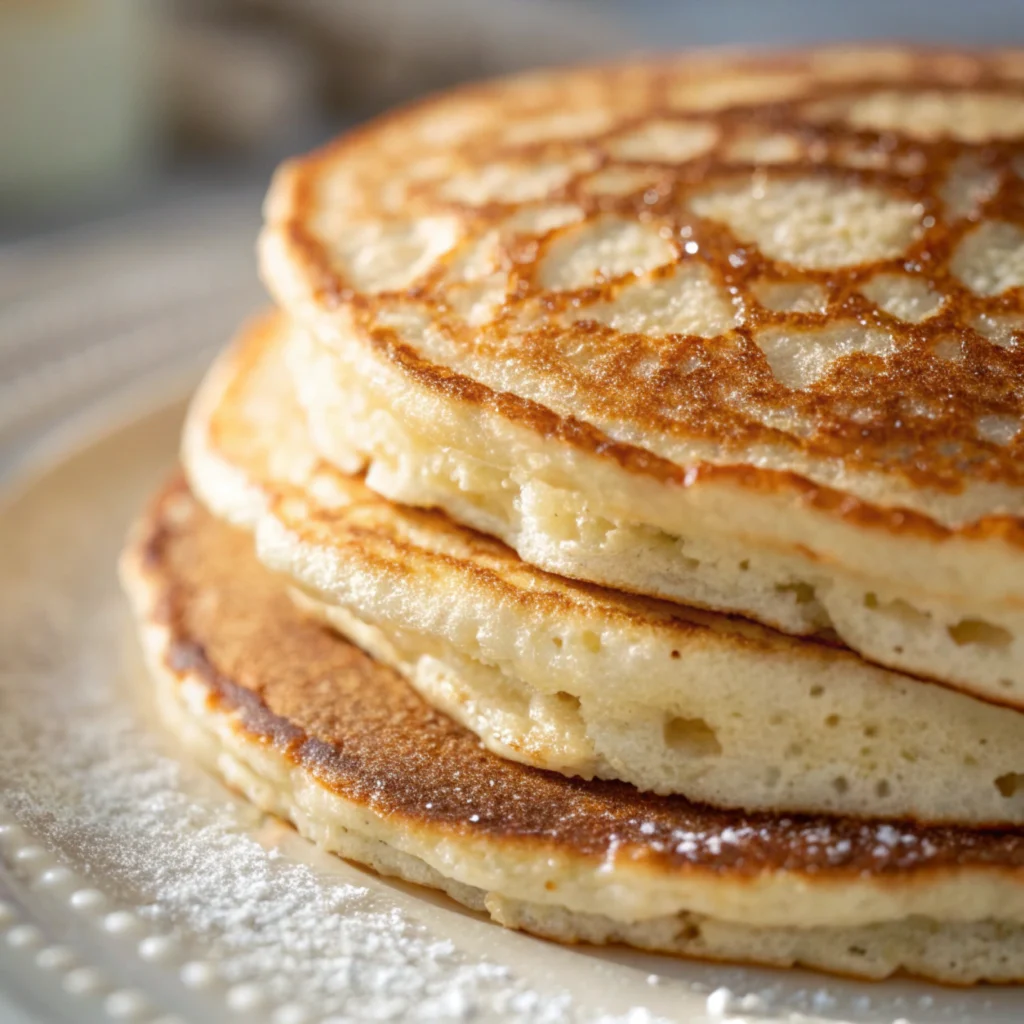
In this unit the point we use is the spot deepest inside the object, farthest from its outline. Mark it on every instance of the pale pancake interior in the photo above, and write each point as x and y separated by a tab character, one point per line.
577	679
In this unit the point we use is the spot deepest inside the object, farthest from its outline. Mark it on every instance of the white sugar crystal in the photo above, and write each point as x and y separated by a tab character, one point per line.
719	1002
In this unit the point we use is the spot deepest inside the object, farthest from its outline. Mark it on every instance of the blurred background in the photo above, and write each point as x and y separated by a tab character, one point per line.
137	138
106	104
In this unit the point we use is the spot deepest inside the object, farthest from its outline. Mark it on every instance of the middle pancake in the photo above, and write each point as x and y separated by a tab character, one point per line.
576	678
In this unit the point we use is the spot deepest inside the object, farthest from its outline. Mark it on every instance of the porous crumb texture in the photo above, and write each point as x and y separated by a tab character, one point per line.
739	332
579	679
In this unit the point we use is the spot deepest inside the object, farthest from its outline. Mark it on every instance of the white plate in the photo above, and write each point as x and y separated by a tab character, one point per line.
134	887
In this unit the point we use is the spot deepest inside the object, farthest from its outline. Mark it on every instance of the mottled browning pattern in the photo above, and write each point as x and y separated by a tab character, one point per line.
937	402
365	734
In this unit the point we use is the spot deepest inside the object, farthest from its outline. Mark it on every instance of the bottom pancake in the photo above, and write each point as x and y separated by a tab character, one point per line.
309	728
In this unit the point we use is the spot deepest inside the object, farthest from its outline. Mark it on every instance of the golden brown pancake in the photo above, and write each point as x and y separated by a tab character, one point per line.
739	332
578	678
312	729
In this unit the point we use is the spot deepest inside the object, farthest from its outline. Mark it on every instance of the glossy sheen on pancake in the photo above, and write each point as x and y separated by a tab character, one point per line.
310	727
750	324
568	676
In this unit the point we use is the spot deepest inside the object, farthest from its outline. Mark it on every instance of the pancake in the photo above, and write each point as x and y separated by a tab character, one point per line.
310	729
738	332
570	677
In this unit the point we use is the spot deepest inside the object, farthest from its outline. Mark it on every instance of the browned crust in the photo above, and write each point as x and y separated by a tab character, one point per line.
988	384
364	734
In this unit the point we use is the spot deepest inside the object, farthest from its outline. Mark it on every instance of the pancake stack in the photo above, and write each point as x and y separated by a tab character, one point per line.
619	524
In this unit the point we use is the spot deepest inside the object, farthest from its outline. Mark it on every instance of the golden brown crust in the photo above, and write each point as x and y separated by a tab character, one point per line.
922	407
363	733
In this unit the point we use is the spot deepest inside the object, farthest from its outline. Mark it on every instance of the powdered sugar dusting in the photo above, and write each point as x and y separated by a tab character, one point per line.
811	843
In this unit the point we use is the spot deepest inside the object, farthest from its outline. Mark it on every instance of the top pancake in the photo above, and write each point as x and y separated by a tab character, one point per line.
765	305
